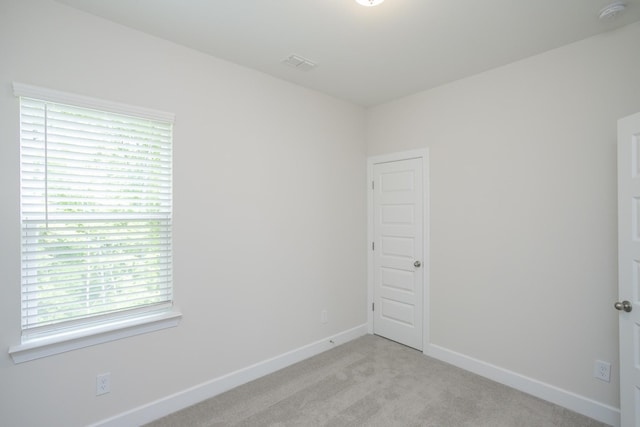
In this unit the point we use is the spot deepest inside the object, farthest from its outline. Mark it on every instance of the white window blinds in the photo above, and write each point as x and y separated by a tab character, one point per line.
96	215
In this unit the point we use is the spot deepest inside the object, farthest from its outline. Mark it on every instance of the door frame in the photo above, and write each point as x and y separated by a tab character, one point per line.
422	154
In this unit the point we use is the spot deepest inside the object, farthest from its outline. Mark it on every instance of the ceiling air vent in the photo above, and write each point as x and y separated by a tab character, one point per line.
299	63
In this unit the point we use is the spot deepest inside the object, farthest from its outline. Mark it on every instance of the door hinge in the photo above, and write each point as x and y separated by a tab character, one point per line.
373	306
373	246
373	185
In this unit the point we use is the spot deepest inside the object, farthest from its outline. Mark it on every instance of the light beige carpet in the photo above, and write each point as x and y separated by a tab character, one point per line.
374	382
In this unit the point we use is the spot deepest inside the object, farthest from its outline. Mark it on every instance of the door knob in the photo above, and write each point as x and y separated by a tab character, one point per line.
623	306
417	264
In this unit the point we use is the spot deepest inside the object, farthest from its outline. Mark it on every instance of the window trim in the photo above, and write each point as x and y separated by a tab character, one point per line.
44	94
108	330
97	334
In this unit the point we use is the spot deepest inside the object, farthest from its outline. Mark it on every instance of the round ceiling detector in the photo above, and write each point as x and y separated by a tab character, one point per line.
612	11
369	3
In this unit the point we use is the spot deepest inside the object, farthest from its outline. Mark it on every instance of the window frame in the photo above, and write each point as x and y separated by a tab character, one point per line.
93	331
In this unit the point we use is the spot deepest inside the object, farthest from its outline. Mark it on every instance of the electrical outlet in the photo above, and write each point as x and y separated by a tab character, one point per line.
602	370
324	317
103	384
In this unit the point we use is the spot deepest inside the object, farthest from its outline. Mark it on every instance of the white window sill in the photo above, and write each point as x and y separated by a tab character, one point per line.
43	347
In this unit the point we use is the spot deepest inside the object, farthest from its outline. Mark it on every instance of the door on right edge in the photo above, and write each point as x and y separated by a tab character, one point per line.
628	303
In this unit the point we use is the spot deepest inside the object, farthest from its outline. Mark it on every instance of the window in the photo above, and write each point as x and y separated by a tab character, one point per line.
96	213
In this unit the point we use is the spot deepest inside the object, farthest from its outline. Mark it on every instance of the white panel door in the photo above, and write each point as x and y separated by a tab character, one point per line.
629	268
398	251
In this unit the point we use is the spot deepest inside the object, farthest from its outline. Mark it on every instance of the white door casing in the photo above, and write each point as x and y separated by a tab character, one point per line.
398	263
629	268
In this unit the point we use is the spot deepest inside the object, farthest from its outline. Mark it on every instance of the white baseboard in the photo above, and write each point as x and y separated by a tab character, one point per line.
580	404
183	399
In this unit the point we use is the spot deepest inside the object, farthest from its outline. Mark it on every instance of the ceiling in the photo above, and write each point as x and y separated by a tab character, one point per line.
366	55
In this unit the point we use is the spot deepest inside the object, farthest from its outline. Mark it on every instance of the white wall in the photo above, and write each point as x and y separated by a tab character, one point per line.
523	207
269	213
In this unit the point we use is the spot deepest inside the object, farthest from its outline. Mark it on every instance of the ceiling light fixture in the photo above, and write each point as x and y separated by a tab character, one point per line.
612	11
369	3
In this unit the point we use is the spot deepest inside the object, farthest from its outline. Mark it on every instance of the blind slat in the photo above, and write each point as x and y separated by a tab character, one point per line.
70	286
31	263
52	297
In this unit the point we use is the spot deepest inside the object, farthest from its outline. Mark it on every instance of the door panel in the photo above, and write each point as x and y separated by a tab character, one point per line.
398	279
398	228
629	267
